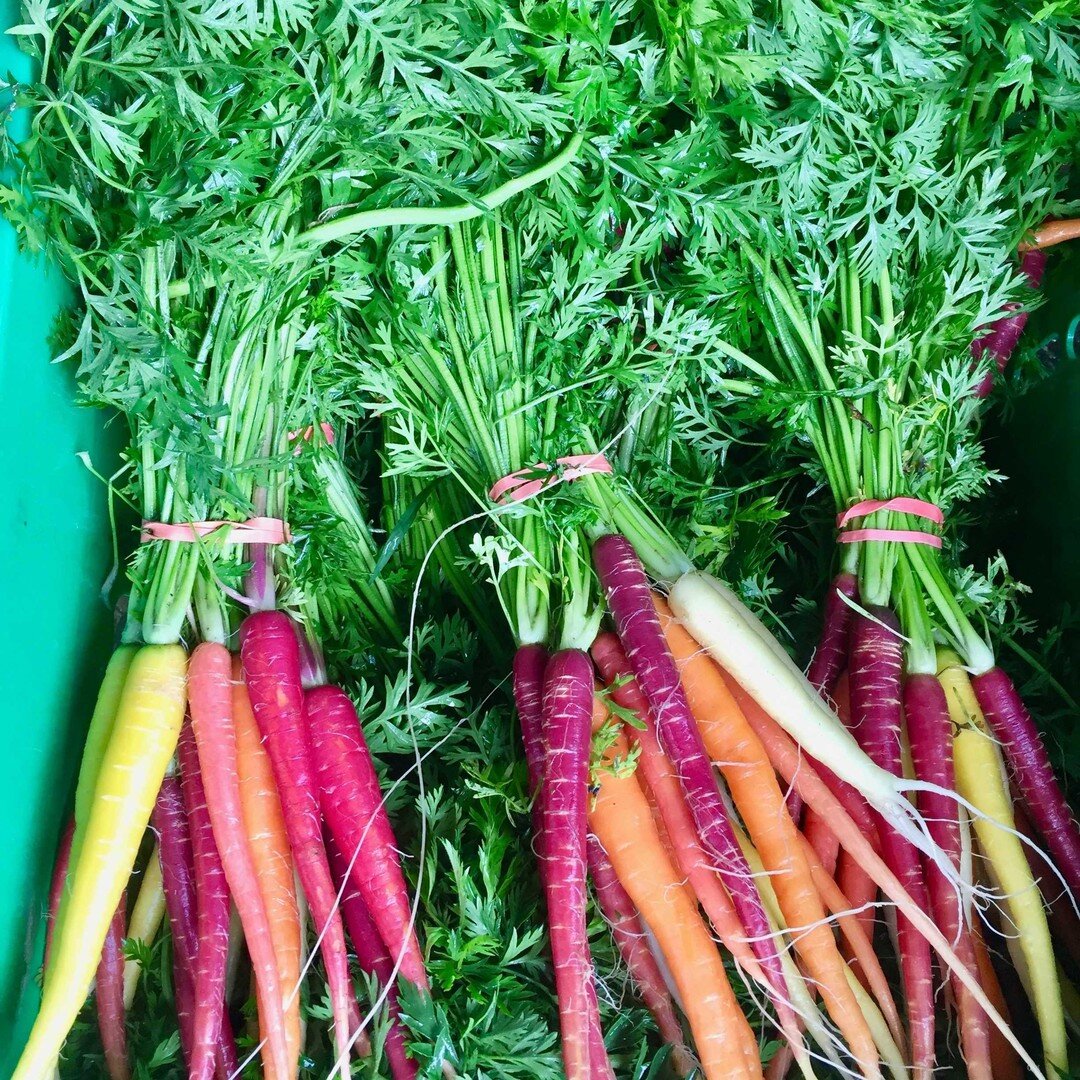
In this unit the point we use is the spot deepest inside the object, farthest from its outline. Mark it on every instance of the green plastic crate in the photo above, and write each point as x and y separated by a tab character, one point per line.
58	631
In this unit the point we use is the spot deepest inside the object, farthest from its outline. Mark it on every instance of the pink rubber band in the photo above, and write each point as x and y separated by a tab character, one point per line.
256	530
525	483
305	434
902	504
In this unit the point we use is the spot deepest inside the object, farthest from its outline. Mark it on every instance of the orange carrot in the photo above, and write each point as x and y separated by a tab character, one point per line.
1006	1064
622	821
1050	233
265	826
738	752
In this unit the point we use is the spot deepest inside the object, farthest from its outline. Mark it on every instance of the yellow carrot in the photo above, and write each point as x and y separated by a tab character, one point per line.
148	720
98	734
980	779
145	921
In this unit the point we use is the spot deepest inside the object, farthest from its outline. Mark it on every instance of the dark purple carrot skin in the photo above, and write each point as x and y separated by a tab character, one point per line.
1043	800
630	601
625	925
874	676
566	727
530	663
270	654
374	959
211	913
353	808
56	885
109	996
831	653
177	880
926	713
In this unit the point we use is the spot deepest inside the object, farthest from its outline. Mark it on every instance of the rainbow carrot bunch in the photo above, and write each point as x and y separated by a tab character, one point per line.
690	866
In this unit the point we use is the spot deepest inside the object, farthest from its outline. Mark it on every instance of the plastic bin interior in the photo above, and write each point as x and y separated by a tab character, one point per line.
57	630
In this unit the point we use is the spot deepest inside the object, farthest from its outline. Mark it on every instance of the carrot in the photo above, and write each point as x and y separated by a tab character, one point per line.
679	837
146	917
272	862
832	648
566	729
1050	233
56	887
1005	1064
861	947
625	925
353	807
791	764
980	780
622	821
109	993
270	653
374	958
732	744
210	694
178	886
102	722
211	911
630	600
530	663
875	669
148	719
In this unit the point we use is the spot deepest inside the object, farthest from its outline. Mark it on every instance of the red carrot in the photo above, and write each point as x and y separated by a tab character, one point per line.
1000	341
930	737
352	804
56	885
630	601
874	674
374	958
211	914
530	663
109	994
566	727
210	698
629	934
271	661
1044	801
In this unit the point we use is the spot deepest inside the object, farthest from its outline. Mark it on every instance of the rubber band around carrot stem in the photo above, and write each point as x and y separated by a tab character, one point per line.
256	530
903	504
525	483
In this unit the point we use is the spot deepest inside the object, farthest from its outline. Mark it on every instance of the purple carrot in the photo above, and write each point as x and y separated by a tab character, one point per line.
374	958
566	731
177	880
1000	341
530	663
354	810
56	885
178	884
874	672
1043	800
630	600
629	934
109	995
270	653
831	653
926	712
211	913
